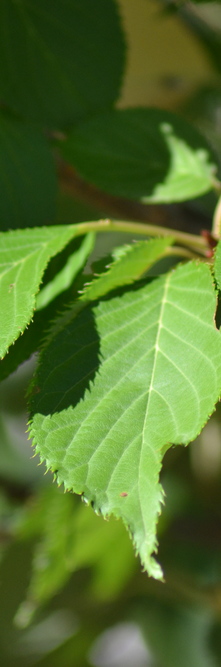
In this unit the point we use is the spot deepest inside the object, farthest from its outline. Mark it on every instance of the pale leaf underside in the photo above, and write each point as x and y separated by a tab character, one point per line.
158	381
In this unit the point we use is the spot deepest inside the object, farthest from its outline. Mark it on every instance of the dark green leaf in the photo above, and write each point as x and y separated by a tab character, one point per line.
144	154
27	176
57	61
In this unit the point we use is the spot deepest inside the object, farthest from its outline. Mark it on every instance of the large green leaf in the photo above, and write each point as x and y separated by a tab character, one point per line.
24	255
158	357
57	61
145	154
27	176
130	262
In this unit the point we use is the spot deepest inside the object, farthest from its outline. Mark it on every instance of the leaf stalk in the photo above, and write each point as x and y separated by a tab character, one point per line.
193	242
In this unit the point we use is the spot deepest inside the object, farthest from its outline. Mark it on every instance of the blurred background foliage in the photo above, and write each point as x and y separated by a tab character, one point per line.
71	590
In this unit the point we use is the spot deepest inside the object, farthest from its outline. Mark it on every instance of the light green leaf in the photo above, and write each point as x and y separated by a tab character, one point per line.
66	276
49	301
144	154
190	174
24	255
130	263
27	344
158	379
27	176
57	61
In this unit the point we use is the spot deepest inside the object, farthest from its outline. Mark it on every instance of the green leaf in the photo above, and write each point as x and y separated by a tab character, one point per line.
130	263
27	176
49	301
158	379
145	154
57	62
67	274
26	344
190	174
24	255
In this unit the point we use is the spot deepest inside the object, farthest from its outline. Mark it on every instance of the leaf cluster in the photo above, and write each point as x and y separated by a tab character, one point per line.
128	348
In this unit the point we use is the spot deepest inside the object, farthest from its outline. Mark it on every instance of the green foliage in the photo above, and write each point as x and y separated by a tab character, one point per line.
130	264
167	160
27	175
52	65
163	625
72	537
51	296
150	390
24	256
66	276
122	319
